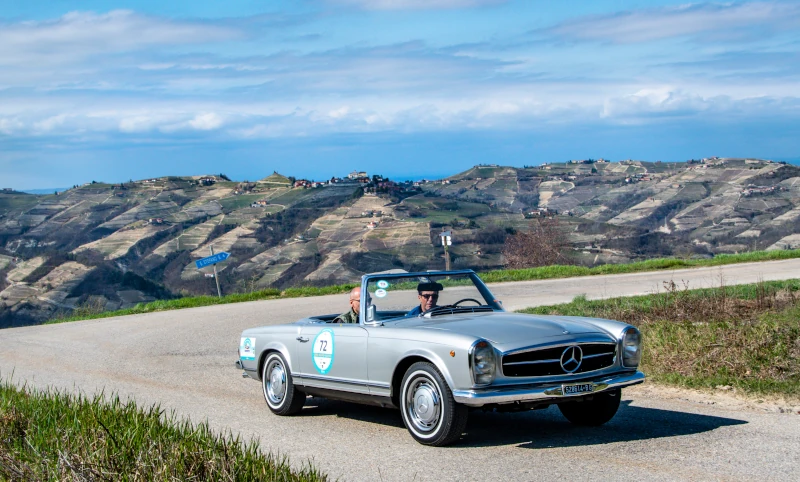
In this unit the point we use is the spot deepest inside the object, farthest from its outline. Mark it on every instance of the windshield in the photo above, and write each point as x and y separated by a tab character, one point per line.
394	296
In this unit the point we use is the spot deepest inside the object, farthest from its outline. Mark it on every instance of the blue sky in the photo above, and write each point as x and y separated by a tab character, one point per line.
114	90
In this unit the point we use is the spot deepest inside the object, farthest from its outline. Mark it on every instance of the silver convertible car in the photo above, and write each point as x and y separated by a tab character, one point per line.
437	344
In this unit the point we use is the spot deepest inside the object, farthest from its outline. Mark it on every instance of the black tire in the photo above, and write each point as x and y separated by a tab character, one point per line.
594	412
282	397
429	411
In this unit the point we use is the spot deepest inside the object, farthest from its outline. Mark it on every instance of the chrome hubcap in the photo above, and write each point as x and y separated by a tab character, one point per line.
423	404
276	386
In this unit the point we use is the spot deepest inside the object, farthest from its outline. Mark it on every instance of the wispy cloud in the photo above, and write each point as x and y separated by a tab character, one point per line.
711	20
416	4
79	35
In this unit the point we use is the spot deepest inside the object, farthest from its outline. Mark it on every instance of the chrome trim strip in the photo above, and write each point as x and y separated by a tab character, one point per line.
533	362
540	392
599	354
346	381
593	338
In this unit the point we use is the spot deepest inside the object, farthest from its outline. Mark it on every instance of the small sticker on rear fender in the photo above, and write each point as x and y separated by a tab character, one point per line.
247	348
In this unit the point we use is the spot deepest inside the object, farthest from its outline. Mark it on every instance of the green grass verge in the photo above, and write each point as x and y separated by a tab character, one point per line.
56	436
196	301
746	336
561	271
547	272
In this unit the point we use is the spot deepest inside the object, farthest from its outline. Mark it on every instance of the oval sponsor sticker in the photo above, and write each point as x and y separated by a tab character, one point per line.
380	293
322	351
383	284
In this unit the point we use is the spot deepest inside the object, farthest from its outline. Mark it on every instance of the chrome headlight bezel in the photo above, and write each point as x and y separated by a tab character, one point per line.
631	347
482	363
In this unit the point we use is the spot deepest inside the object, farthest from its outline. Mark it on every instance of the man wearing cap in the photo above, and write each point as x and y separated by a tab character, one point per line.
428	295
355	304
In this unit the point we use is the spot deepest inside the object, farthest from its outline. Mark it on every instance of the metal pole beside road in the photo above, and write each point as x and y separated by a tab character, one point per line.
219	292
447	240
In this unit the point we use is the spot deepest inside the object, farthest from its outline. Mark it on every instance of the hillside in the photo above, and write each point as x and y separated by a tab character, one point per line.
110	246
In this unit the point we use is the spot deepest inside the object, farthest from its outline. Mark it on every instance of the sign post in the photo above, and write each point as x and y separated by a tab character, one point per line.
216	278
447	240
212	261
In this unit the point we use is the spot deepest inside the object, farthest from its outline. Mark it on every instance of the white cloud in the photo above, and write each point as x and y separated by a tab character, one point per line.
416	4
206	122
10	126
730	20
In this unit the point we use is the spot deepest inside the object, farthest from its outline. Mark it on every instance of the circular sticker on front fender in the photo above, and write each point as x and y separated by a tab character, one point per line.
322	351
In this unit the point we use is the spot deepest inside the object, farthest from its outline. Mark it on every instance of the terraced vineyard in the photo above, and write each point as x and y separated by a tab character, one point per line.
109	246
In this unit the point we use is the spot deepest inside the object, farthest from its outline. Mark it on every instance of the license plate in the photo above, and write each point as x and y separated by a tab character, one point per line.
577	389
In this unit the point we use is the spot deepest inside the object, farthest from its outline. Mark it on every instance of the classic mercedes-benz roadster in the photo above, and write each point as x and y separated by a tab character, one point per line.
436	344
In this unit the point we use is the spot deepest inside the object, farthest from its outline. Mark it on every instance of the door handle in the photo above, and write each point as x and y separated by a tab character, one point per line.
301	339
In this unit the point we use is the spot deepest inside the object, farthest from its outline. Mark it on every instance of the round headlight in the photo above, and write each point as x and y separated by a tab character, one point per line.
483	362
631	348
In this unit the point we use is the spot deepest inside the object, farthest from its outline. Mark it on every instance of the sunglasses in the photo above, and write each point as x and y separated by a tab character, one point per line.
434	296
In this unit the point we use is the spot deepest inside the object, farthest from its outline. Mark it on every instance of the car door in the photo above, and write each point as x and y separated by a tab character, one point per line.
333	356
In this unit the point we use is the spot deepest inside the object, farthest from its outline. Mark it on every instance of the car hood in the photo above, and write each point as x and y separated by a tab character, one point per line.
502	328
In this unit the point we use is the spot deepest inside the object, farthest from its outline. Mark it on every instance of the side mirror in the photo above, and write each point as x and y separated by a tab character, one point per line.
370	313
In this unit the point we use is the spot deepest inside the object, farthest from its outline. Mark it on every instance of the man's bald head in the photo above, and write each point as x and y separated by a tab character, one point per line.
355	299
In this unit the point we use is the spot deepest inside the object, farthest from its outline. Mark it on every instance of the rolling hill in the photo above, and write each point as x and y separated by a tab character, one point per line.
109	246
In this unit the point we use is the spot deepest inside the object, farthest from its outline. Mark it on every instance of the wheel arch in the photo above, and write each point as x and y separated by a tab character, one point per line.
271	348
405	363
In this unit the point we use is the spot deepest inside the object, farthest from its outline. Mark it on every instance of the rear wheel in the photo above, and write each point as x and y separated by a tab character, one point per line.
429	411
282	397
597	411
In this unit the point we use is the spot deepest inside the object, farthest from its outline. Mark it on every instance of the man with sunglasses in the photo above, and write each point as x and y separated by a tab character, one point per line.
428	295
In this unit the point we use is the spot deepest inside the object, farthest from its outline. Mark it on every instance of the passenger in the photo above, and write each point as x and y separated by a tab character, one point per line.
355	305
428	295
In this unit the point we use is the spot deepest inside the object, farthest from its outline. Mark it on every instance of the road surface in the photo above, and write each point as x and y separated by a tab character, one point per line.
184	361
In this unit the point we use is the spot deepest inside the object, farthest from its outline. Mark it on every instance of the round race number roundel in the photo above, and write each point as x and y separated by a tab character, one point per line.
322	351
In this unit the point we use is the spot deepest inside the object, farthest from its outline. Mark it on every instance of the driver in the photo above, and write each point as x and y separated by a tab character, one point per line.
428	295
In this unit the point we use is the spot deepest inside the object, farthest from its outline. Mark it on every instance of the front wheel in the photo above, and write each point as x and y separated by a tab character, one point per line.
597	411
429	411
282	397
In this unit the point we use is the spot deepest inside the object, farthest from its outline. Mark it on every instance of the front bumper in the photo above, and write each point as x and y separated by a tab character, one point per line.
531	393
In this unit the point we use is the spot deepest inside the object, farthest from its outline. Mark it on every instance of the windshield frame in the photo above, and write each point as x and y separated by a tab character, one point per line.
492	301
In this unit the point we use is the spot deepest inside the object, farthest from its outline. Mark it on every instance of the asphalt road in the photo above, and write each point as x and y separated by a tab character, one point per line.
184	361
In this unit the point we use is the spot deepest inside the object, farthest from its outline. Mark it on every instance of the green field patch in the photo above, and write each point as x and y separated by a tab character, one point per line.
239	202
18	202
434	209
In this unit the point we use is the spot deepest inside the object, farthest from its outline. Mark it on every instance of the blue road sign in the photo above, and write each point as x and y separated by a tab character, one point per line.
214	259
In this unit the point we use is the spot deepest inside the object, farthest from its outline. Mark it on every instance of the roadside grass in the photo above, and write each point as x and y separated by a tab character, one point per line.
52	435
568	271
87	313
745	337
497	276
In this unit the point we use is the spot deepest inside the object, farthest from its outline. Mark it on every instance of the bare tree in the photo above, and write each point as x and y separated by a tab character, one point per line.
544	244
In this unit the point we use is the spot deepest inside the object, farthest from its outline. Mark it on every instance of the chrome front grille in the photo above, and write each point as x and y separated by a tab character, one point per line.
547	361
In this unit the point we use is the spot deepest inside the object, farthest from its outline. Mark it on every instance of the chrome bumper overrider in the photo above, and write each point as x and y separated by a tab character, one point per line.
531	393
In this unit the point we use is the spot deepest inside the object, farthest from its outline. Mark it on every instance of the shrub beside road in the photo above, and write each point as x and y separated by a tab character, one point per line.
745	337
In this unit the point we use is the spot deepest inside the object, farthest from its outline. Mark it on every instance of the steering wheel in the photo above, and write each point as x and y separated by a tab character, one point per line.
454	305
